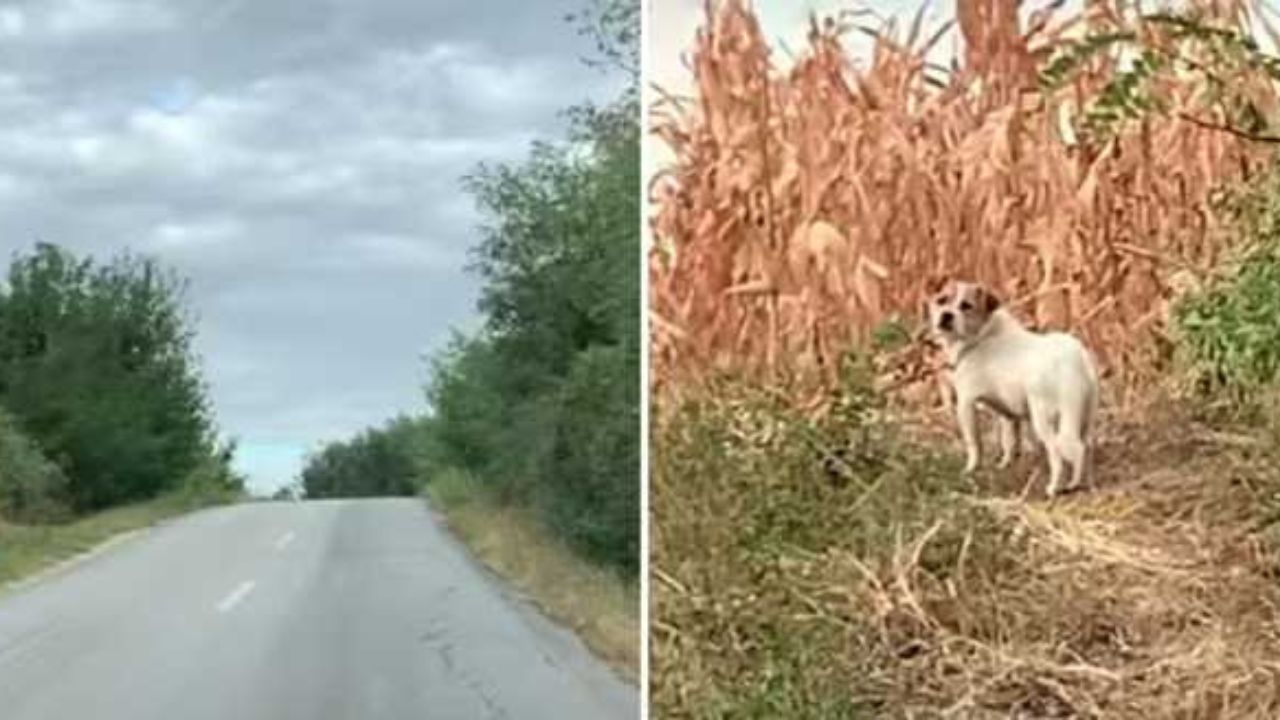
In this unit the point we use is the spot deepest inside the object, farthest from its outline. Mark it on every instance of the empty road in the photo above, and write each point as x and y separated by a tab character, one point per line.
359	609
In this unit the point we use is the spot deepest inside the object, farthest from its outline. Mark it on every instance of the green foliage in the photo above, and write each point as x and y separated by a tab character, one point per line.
1228	331
96	366
379	461
1189	44
591	490
32	489
543	405
754	534
451	488
892	334
286	493
540	408
211	481
614	28
469	415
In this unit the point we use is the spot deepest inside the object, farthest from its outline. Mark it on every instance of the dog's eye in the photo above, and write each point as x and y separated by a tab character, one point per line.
965	306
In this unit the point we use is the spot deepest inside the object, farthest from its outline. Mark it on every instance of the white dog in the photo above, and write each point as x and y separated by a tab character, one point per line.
1048	378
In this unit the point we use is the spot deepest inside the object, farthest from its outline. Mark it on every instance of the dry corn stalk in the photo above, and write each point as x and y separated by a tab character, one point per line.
805	208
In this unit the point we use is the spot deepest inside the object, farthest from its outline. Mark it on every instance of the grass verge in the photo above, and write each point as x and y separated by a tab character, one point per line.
28	549
599	605
884	584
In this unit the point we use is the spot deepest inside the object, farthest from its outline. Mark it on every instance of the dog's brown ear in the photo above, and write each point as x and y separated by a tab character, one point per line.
987	300
934	284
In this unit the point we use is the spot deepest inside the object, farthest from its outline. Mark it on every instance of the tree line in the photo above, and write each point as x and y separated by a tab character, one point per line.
541	406
101	398
376	462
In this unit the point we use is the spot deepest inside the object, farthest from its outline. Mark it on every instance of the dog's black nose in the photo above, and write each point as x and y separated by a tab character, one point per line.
946	320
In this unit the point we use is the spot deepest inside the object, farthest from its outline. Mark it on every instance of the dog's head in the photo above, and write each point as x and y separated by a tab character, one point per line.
958	310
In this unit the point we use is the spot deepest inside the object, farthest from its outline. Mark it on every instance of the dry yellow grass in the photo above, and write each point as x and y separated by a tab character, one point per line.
26	550
805	208
907	591
601	607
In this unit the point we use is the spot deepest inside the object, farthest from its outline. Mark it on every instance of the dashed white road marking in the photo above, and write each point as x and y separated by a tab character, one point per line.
284	541
240	593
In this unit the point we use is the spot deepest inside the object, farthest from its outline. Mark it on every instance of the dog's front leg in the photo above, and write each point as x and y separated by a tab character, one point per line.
1010	440
967	414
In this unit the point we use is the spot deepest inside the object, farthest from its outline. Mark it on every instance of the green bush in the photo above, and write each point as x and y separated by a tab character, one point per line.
762	515
540	406
1229	332
32	489
591	495
212	482
378	461
97	366
451	488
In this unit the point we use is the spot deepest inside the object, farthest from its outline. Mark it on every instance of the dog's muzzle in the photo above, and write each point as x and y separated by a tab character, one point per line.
946	320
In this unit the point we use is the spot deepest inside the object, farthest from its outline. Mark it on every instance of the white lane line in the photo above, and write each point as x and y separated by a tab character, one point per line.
284	541
240	593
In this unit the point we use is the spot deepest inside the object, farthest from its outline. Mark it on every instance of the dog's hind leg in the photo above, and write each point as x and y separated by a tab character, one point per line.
1010	440
1073	450
1042	422
1073	441
967	415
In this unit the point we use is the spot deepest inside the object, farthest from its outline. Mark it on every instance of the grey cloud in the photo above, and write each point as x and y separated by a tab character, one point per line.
298	161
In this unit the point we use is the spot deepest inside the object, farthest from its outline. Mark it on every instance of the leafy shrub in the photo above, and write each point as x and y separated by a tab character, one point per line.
1229	332
211	482
897	588
96	365
378	461
32	489
451	488
591	493
539	408
756	536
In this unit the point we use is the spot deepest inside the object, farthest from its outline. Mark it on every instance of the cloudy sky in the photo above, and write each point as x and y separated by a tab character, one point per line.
298	161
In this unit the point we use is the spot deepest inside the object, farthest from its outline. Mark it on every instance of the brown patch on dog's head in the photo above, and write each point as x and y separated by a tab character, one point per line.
934	284
960	309
987	299
939	291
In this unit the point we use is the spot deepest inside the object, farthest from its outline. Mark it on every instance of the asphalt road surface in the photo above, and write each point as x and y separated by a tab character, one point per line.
361	609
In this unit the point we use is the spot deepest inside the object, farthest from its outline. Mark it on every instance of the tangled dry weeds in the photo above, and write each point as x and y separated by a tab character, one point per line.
908	593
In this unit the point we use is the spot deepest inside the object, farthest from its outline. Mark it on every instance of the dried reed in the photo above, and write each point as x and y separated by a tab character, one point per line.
805	208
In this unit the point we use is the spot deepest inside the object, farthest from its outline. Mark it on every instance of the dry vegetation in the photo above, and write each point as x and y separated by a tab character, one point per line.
808	208
904	590
600	605
26	550
804	208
